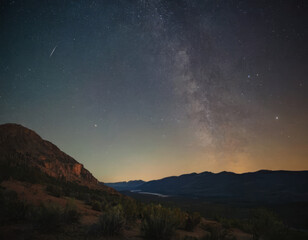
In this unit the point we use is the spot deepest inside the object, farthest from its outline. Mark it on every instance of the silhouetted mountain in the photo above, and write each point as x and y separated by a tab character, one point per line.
22	146
122	186
262	186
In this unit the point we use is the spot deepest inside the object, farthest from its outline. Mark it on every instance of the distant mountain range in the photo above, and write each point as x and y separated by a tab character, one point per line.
126	186
262	186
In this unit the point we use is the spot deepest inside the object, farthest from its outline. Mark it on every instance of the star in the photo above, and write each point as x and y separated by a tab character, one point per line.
277	117
95	125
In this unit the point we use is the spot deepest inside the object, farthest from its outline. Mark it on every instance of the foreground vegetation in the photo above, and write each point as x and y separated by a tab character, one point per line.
45	217
119	212
157	222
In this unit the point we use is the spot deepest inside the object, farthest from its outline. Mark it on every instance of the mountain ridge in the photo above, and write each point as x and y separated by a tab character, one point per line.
125	185
260	186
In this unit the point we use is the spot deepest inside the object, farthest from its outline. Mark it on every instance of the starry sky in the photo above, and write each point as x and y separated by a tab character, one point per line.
148	89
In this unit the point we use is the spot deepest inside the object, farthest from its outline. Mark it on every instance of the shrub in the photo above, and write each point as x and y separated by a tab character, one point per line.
192	221
48	217
216	232
54	190
17	169
190	238
11	208
71	214
159	223
266	225
84	197
180	217
94	229
130	209
96	205
218	237
112	222
242	224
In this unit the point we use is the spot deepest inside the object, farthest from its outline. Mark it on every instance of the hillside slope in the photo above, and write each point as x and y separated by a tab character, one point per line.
22	146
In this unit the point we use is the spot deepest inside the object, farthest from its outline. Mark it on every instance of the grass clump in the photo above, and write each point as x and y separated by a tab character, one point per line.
71	213
54	190
130	209
11	208
192	221
265	225
159	223
216	232
51	217
96	205
48	217
112	222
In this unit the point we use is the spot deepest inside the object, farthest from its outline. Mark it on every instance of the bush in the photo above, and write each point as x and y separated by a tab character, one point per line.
130	209
96	205
11	208
71	214
17	169
94	229
216	232
84	197
112	222
265	225
218	237
159	223
190	238
55	191
180	217
242	224
192	221
48	217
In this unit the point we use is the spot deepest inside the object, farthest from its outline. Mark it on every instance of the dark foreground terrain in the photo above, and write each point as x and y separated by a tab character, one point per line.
294	215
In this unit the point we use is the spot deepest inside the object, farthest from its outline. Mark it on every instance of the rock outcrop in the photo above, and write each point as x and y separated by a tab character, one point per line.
20	145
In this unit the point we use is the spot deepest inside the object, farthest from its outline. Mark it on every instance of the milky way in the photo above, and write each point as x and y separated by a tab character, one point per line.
168	87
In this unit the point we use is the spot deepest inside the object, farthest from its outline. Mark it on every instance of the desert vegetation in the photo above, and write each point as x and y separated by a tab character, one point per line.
263	224
45	217
118	212
112	221
159	222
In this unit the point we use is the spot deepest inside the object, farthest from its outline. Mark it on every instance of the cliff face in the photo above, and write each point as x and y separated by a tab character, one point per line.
20	145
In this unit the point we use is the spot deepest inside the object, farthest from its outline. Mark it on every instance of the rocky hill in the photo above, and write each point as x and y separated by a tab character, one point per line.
22	146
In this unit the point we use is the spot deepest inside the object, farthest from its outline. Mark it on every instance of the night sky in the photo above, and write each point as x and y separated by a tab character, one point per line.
148	89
